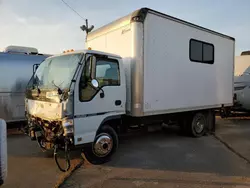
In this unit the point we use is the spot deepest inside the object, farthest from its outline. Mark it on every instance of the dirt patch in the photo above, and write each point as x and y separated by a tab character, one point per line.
75	164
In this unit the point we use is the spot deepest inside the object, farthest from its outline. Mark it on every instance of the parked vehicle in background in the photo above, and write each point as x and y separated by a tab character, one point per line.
146	68
242	83
16	64
242	62
3	152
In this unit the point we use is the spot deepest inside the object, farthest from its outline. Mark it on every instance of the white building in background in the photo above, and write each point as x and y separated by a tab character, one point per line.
242	82
242	62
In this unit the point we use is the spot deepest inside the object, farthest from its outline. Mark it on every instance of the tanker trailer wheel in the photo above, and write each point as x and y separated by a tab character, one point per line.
198	124
103	147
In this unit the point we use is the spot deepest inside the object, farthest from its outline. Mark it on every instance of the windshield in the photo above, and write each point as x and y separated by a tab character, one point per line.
56	72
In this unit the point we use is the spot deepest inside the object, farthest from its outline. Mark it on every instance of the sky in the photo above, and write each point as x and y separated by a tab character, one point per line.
51	27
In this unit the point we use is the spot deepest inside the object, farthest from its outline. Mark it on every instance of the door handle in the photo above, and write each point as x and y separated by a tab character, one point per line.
118	102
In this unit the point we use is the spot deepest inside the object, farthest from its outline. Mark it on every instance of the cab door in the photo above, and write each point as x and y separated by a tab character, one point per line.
92	105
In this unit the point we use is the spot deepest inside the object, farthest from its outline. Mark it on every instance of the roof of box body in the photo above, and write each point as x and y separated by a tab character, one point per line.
88	51
139	16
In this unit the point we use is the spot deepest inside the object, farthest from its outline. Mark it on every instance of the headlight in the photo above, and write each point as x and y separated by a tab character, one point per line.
68	127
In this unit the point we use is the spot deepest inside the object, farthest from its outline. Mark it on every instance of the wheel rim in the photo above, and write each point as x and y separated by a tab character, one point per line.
199	124
103	145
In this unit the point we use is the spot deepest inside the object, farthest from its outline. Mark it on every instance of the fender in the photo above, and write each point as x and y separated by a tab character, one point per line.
105	120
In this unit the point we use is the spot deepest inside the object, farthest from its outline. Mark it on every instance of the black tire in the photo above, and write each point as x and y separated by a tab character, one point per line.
198	124
90	153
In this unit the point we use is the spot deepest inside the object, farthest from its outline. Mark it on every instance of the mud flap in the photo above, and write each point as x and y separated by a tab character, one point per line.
211	122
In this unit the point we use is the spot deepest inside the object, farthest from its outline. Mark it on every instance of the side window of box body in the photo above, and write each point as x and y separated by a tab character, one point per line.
201	52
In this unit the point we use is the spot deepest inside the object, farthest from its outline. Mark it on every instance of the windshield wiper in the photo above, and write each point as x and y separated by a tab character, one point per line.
38	91
59	90
37	88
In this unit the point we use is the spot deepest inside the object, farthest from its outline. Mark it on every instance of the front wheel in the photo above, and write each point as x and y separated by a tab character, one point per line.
103	147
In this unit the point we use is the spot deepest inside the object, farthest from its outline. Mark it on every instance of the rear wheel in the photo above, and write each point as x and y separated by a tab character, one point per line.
198	124
103	147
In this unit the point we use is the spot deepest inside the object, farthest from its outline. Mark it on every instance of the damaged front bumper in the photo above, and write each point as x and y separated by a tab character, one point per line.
49	133
48	120
53	135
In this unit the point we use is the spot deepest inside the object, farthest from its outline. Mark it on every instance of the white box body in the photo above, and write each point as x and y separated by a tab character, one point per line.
160	77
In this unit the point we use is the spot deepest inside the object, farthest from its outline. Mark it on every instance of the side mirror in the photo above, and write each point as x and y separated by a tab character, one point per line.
3	151
95	83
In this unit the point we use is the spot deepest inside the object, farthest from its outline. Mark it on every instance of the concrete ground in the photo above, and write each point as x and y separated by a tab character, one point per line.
166	159
158	159
28	166
235	133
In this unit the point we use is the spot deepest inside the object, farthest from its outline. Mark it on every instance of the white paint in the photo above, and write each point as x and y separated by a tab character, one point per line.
45	110
53	95
160	78
3	150
171	81
86	127
118	41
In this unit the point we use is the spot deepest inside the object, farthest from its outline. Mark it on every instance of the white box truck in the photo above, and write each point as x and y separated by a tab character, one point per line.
142	69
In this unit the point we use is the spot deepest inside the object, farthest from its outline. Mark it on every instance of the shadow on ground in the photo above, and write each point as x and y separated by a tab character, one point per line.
156	151
20	145
168	150
28	166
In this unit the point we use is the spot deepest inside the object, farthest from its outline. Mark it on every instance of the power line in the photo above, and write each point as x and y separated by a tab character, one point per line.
73	9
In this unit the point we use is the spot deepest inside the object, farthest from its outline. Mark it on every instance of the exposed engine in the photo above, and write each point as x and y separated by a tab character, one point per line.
50	135
46	133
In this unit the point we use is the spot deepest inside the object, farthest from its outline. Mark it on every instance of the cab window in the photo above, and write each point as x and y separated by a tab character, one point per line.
106	72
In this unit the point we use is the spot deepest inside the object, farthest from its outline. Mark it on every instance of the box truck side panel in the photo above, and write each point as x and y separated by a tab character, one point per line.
117	41
172	82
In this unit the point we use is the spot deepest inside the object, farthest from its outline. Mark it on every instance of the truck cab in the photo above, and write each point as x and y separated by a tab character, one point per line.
71	99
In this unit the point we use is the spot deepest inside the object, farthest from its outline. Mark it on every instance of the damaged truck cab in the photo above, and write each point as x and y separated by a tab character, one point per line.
70	99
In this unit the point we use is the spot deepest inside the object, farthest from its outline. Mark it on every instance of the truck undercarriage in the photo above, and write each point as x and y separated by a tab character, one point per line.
50	136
